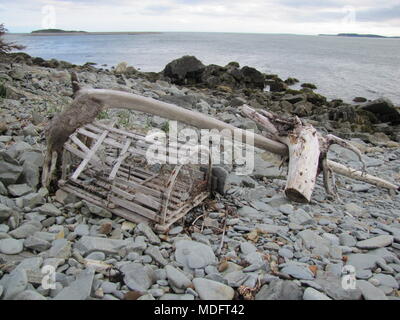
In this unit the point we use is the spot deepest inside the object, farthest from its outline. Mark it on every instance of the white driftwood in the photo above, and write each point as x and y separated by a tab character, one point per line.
303	164
362	176
304	152
308	149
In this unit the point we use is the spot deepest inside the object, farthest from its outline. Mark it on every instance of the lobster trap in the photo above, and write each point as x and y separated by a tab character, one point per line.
107	167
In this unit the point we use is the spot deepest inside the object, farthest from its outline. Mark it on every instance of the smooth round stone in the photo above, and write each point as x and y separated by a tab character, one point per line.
286	209
295	226
376	242
272	246
312	294
11	246
132	256
4	228
324	222
286	253
109	287
175	231
364	274
333	239
374	281
231	222
60	219
214	215
96	255
146	259
82	230
247	247
212	290
163	283
29	295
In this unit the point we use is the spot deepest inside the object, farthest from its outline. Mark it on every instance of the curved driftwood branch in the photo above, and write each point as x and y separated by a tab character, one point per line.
90	102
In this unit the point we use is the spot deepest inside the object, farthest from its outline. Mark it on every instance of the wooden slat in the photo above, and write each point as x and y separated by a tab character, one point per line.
138	197
79	143
152	186
65	164
121	158
101	203
82	155
150	178
137	189
88	133
136	136
187	207
135	208
83	164
182	212
121	136
147	201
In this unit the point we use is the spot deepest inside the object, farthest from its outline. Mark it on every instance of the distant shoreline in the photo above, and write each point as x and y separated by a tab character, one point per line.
83	33
358	35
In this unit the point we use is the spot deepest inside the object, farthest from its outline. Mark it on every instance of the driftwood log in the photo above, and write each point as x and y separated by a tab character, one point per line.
306	160
307	152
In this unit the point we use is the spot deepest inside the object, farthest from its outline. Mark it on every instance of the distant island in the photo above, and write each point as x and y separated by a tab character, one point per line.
56	31
60	32
357	35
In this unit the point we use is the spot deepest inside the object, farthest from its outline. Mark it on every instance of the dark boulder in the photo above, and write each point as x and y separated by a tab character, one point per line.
359	99
280	290
235	73
185	70
309	86
303	109
187	101
383	109
291	81
233	64
294	98
253	78
348	113
315	98
10	170
276	85
237	102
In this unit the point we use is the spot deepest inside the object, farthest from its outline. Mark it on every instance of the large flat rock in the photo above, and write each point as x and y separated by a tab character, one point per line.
79	289
212	290
194	255
88	244
376	242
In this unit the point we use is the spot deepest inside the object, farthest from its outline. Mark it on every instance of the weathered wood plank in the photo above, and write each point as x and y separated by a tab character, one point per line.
89	155
121	158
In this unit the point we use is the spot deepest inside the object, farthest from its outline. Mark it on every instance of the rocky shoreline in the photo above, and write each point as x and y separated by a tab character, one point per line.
272	249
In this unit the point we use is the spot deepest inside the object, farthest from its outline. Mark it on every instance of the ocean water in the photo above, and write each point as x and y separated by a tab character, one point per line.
341	67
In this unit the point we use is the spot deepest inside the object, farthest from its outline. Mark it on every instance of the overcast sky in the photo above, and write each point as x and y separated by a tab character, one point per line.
254	16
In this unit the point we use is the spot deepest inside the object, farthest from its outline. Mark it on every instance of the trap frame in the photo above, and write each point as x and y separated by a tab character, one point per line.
107	167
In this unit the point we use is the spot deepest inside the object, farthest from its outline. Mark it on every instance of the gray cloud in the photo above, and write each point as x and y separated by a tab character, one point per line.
157	10
311	3
379	14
